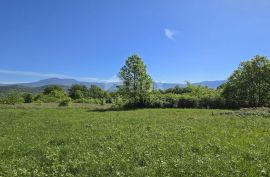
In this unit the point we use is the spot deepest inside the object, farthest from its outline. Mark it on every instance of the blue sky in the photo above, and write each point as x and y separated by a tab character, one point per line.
90	39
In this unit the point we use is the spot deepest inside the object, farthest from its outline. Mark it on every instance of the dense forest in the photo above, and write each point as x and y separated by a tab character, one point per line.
248	86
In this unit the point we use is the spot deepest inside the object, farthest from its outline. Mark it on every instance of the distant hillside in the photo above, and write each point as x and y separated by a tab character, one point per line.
211	84
37	87
24	89
66	82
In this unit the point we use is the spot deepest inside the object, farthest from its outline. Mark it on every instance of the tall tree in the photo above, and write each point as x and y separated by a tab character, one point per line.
137	84
249	85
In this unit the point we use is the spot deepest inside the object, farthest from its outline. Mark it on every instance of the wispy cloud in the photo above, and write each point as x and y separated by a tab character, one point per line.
170	34
37	75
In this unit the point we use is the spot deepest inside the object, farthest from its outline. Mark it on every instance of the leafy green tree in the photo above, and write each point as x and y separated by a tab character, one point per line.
52	93
249	85
52	88
78	92
97	93
137	84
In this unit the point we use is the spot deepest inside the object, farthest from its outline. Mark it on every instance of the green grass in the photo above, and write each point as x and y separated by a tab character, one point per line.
149	142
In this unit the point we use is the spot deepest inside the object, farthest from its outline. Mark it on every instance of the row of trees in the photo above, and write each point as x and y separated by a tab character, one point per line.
55	94
248	86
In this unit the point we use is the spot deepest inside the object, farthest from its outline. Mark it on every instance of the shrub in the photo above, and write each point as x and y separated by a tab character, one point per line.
97	93
28	98
78	92
188	102
65	102
118	102
12	98
46	99
52	88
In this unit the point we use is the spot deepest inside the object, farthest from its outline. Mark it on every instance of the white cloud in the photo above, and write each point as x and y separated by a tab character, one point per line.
170	34
37	75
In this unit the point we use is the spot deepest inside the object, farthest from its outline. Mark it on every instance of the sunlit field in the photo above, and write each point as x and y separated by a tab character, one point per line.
48	141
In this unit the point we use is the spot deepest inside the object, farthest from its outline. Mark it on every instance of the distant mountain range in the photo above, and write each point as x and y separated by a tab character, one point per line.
210	84
68	82
37	87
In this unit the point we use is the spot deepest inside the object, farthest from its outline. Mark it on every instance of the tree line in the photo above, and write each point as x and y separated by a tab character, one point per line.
248	86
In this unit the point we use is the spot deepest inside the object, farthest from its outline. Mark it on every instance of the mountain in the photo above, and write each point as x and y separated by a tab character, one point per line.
164	86
37	87
211	84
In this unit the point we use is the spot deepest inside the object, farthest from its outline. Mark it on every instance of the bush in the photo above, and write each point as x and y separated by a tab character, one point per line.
97	93
12	98
46	99
118	102
52	88
65	102
78	92
188	102
28	98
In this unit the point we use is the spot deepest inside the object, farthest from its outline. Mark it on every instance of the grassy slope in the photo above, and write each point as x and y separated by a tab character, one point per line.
154	142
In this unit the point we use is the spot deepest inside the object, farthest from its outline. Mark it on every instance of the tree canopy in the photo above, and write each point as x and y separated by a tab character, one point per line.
249	85
136	82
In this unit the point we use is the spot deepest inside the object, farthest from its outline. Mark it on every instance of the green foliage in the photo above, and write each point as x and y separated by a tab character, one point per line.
249	85
179	90
12	98
187	97
118	102
65	102
78	92
54	97
137	84
97	93
188	102
28	98
51	94
146	142
52	89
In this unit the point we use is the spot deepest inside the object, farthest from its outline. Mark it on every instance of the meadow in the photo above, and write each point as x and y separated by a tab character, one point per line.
85	141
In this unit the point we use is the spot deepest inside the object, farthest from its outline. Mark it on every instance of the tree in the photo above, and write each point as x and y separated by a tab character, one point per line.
249	85
52	88
52	93
78	92
137	84
97	93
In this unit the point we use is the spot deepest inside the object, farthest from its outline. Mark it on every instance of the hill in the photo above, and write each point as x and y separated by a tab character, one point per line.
24	89
37	87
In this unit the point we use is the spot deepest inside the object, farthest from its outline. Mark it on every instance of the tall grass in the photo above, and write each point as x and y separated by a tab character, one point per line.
150	142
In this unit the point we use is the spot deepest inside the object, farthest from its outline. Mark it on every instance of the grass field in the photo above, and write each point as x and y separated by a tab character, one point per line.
148	142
